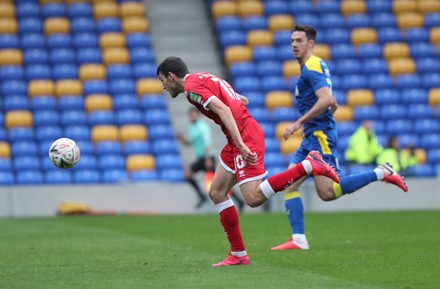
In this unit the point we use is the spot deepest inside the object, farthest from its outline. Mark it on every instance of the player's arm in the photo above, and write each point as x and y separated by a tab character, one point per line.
243	99
334	106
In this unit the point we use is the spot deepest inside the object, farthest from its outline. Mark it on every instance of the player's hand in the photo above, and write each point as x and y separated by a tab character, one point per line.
248	156
291	129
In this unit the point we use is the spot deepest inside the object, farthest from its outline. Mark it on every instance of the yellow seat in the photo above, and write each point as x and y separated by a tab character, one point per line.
55	25
149	86
133	132
92	71
344	113
428	6
140	162
105	133
5	150
398	66
106	9
291	145
356	97
68	87
111	40
402	6
434	96
8	26
276	99
291	68
17	118
281	127
7	10
44	2
11	57
129	9
259	38
434	36
281	22
361	36
349	7
236	53
410	20
250	8
135	25
41	87
115	56
396	50
420	155
223	8
98	102
323	51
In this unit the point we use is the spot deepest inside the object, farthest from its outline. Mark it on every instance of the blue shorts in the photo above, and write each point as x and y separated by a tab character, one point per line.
323	141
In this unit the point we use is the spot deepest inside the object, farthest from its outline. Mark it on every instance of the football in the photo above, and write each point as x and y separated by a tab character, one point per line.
64	153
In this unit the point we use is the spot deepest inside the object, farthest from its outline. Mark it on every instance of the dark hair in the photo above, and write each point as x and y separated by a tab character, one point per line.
174	65
309	30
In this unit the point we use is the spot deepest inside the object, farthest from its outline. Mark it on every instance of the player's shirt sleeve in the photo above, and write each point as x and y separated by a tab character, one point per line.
314	74
200	94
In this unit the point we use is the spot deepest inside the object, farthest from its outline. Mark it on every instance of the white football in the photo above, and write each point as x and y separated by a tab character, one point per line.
64	153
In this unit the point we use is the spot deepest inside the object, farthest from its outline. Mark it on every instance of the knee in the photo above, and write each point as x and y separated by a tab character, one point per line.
214	195
254	202
326	195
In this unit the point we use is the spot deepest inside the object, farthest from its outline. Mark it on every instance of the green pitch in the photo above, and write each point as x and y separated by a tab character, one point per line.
348	250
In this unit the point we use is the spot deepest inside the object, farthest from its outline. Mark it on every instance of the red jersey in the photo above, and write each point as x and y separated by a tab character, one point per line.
202	87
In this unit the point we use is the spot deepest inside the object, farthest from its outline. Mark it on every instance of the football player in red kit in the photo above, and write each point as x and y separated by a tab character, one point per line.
242	158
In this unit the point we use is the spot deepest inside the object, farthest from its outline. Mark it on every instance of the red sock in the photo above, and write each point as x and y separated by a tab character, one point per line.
282	180
231	226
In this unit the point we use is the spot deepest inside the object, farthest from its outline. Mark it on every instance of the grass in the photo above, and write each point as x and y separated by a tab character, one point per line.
348	250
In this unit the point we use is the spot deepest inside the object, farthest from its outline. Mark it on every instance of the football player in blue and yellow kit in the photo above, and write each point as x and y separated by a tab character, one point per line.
316	104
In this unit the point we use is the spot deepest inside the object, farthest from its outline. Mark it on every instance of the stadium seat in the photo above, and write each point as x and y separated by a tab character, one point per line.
343	51
344	113
94	102
142	55
115	56
426	125
109	24
148	86
82	25
92	71
30	56
116	71
346	128
125	101
115	176
88	55
135	25
416	35
59	41
291	146
129	116
14	87
33	40
133	132
18	118
264	53
80	9
240	69
5	150
78	132
38	71
11	57
138	40
274	159
12	73
379	81
277	99
259	38
420	111
348	66
231	38
410	20
268	68
291	68
311	19
275	7
71	102
49	132
15	102
408	81
383	20
27	10
137	147
112	40
374	65
86	40
245	9
160	131
272	145
62	56
399	125
45	118
21	133
168	162
130	9
68	87
422	50
26	163
338	35
428	6
431	80
434	35
234	54
432	20
95	86
353	7
270	83
140	162
228	23
108	148
86	176
398	66
359	97
393	111
223	8
55	25
8	25
323	51
399	7
121	86
396	50
9	41
355	81
105	9
389	34
434	97
365	112
105	133
57	177
284	114
101	117
281	127
280	22
29	177
111	162
53	10
149	101
430	141
358	21
5	166
144	175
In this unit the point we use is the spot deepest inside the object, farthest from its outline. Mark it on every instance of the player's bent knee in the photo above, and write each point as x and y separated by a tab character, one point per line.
254	201
327	196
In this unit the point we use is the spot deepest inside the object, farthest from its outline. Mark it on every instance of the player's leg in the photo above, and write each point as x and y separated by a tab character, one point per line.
189	177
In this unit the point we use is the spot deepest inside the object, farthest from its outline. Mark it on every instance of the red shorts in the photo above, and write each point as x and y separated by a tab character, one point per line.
231	160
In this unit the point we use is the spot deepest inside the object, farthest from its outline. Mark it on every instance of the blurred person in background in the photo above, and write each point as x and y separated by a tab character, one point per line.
363	147
404	161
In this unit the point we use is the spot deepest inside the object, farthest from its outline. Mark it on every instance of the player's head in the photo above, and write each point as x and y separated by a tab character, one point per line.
194	114
171	72
303	39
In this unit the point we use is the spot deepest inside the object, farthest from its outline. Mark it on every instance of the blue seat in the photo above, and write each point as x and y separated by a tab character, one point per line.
86	40
144	176
374	66
406	139
327	7
272	145
264	53
86	147
152	101
431	80
128	116
300	7
62	56
165	146
389	34
82	25
282	37
52	132
378	81
368	51
27	10
274	159
168	161
273	83
427	65
89	55
24	163
432	20
144	70
379	126
357	21
340	95
256	99
142	55
246	83
116	71
5	165
393	111
16	102
14	87
267	126
137	147
338	35
125	101
383	20
332	20
160	131
425	170
2	132
11	73
275	7
30	25
354	81
408	81
123	86
284	114
58	177
284	52
430	141
416	35
43	103
65	71
77	133
422	50
111	162
398	125
43	150
46	117
310	19
86	162
108	25
268	68
67	103
426	125
233	37
101	117
421	110
104	148
80	10
343	51
86	176
59	41
348	66
434	155
346	128
9	41
156	116
21	133
254	23
365	112
95	86
378	6
35	56
228	23
115	176
414	96
38	71
33	40
261	115
239	69
138	40
24	148
386	96
54	10
29	177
